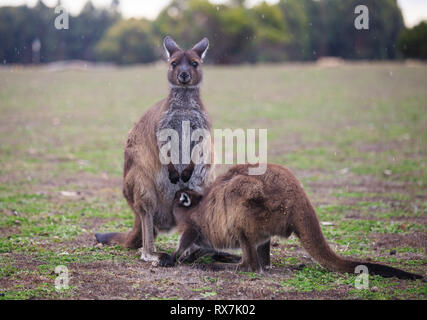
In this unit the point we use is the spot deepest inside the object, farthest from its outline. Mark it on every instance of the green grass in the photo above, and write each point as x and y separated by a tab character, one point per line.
315	279
354	135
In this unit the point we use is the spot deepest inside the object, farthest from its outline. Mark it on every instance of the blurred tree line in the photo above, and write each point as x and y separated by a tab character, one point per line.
21	26
413	42
288	30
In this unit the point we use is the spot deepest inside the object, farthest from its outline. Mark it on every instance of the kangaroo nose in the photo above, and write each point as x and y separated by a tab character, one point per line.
184	77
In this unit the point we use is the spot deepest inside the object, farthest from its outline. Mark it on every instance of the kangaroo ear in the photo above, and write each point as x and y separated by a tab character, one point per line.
170	46
201	48
185	200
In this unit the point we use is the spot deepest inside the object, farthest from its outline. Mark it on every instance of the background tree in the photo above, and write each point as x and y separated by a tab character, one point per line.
238	33
413	42
86	30
129	41
344	40
296	14
229	28
20	26
271	33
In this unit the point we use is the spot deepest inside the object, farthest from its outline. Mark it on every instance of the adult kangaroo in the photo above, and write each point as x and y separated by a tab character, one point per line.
242	210
149	184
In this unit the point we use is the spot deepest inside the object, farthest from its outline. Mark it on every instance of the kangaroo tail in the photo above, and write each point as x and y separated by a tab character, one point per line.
131	239
308	230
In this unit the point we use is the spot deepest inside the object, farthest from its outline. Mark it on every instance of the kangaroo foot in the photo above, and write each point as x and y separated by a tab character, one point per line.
149	256
246	267
225	257
166	260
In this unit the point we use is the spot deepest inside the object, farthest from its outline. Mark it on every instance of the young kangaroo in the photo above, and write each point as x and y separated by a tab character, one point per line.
149	185
241	210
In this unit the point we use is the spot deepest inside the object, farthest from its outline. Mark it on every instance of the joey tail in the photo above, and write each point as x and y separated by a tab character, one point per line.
307	228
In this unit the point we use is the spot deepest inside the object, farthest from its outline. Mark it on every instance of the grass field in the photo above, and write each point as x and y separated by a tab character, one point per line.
354	135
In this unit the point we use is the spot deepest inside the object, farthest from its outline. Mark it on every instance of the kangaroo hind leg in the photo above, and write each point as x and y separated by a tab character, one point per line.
250	260
263	252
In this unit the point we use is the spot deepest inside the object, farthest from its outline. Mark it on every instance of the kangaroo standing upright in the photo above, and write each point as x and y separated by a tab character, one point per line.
149	186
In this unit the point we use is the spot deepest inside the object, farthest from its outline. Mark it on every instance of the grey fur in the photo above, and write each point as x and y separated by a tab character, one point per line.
185	105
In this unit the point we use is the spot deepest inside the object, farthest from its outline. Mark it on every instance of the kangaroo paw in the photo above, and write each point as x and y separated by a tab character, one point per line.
186	175
173	177
187	172
166	260
173	174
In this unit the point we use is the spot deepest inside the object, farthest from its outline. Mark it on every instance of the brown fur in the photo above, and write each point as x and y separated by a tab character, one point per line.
240	210
145	187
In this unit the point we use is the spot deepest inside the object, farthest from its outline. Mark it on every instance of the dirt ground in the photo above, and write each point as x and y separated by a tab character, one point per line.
60	182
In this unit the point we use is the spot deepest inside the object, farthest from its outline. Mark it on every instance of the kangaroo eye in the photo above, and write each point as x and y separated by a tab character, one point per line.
195	64
174	64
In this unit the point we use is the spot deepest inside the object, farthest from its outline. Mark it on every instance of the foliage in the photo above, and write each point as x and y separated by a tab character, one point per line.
21	25
413	42
128	41
238	33
318	124
271	32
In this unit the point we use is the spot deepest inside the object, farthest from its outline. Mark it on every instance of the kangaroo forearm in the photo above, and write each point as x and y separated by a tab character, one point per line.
187	172
173	173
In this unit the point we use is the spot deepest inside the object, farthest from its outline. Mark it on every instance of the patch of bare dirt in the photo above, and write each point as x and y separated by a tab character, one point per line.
8	231
103	280
108	279
390	240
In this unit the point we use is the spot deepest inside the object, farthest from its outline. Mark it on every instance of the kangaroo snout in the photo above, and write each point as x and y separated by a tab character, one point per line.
184	77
